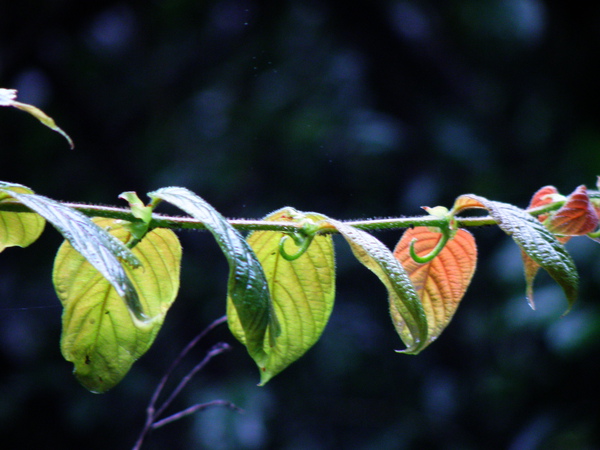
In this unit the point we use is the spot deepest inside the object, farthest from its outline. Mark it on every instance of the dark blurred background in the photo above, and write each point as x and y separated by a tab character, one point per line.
352	109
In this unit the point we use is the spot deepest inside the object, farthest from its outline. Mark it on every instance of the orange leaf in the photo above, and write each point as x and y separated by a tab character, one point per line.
542	197
576	217
466	202
442	282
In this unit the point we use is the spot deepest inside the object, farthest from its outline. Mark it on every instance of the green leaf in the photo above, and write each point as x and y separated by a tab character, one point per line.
406	309
43	118
534	239
18	229
141	212
99	336
302	291
101	249
247	286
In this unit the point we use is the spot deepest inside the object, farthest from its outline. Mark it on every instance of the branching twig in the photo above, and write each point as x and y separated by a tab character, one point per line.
193	409
153	412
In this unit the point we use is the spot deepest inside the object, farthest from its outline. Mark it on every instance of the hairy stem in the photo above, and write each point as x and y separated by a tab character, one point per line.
189	223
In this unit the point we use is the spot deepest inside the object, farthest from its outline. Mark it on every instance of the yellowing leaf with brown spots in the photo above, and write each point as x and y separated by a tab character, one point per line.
442	282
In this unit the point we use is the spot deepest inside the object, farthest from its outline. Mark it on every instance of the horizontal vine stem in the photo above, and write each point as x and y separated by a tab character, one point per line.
189	223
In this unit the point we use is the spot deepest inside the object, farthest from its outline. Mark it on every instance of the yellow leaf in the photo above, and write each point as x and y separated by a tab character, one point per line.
43	118
302	291
99	335
442	282
18	228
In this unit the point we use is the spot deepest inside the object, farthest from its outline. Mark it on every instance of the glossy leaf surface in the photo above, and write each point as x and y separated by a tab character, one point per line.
535	240
18	229
101	249
543	196
302	291
247	286
99	336
405	306
440	283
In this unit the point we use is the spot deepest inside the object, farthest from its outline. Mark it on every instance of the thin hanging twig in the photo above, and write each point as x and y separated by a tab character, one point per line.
193	409
153	412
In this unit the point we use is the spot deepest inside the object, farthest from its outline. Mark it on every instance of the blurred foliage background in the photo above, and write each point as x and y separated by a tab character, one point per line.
352	109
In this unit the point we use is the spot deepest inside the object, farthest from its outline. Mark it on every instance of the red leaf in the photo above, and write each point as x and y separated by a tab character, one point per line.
576	217
442	282
542	197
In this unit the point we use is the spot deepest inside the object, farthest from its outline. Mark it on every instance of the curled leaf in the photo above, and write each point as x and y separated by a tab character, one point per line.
440	283
577	216
302	291
101	249
535	240
8	98
247	286
542	197
99	336
405	305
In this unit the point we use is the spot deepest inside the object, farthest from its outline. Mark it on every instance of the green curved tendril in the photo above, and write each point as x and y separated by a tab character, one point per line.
594	235
302	242
446	233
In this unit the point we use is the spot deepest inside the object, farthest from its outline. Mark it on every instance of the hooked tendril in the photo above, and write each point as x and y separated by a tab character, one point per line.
446	233
302	242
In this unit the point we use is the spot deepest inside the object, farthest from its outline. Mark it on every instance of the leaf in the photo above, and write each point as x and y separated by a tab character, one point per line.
45	119
19	229
8	98
101	249
535	240
406	309
466	202
442	282
302	292
99	336
247	286
542	197
141	212
576	217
